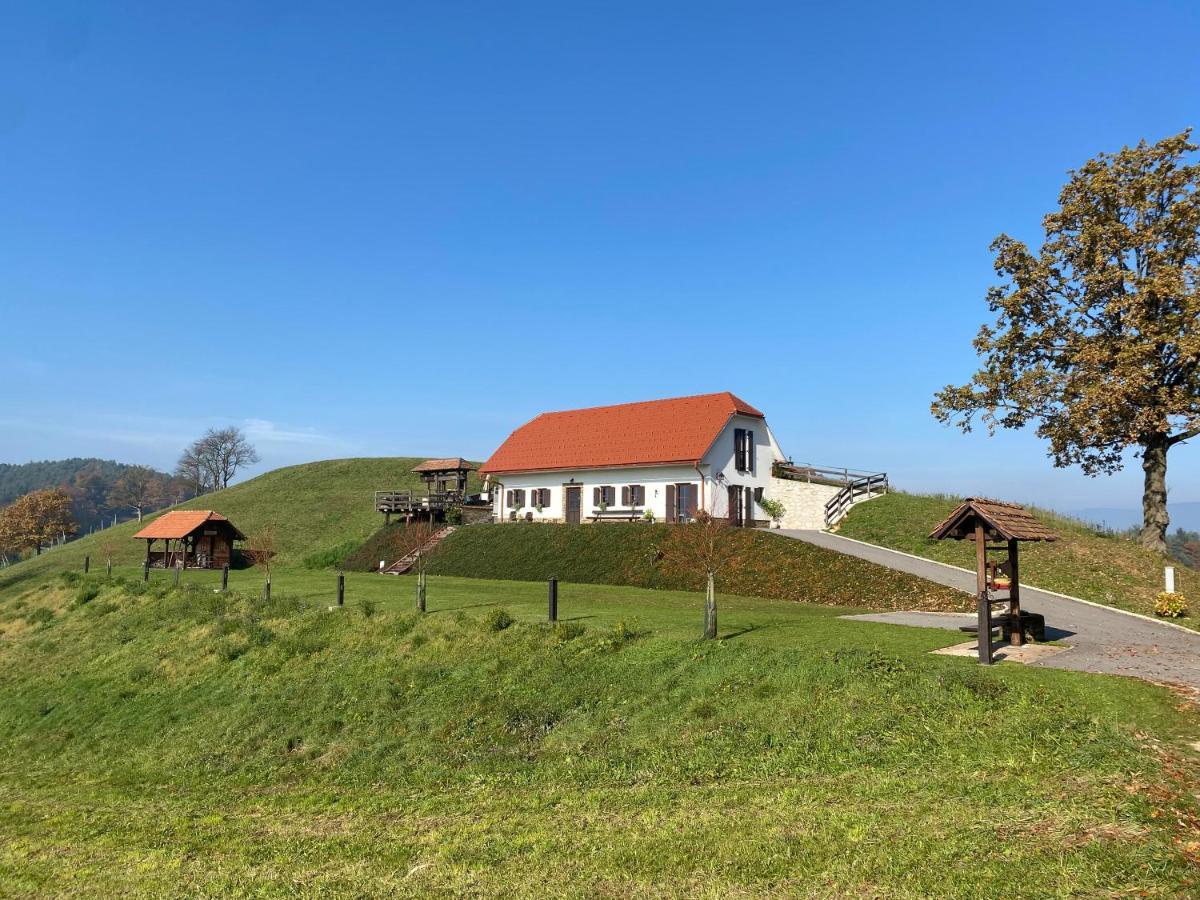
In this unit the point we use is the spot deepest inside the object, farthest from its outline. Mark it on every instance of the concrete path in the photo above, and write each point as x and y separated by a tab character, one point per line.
1102	639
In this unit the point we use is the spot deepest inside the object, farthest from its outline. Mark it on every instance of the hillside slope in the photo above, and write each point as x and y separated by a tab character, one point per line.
157	742
313	507
1082	562
621	553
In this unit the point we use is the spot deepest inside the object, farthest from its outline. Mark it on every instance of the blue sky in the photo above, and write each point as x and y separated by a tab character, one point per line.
385	229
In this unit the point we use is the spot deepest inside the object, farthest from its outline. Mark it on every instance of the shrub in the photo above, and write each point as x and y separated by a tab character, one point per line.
1171	605
331	557
497	620
70	577
772	508
86	594
568	631
39	616
368	607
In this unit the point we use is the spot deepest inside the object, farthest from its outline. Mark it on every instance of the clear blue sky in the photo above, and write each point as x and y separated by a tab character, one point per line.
377	229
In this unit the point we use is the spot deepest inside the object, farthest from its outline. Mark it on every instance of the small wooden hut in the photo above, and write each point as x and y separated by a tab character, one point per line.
995	527
195	539
445	476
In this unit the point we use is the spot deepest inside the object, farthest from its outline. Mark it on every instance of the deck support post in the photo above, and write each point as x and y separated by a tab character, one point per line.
87	562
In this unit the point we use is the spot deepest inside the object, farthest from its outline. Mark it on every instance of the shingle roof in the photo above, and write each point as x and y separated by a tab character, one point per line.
180	523
450	464
656	432
1001	521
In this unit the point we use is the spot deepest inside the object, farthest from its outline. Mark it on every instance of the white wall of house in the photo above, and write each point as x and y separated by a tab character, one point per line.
717	471
653	478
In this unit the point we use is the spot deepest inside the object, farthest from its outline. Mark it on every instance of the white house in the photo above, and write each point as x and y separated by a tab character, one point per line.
662	458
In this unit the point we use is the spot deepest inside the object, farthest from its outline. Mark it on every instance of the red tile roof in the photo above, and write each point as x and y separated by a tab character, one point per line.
656	432
179	523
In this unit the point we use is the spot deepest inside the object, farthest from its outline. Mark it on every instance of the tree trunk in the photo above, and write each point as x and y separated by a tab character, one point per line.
1154	493
710	610
139	512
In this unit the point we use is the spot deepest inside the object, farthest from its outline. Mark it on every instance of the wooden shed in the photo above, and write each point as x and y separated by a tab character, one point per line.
199	539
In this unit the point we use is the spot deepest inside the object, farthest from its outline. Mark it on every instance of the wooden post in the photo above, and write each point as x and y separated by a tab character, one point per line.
87	562
1014	597
267	589
178	569
225	577
984	628
553	598
341	589
146	570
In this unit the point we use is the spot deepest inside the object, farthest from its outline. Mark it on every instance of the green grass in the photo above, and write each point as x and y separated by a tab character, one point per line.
1082	563
186	742
772	566
317	508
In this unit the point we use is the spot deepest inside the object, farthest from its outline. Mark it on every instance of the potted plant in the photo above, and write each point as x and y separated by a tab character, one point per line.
774	509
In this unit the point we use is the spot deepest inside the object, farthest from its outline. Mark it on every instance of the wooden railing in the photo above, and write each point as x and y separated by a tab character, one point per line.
857	486
407	501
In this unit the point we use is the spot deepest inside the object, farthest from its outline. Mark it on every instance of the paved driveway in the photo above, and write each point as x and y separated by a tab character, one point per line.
1101	639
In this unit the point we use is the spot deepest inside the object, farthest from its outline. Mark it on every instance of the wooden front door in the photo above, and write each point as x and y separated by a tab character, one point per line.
574	503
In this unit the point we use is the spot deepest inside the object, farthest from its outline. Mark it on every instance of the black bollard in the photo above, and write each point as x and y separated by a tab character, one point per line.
87	564
267	589
553	599
225	577
341	589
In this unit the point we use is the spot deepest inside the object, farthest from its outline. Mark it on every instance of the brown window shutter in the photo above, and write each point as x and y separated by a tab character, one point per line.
624	495
739	449
670	503
692	500
732	494
750	451
758	495
595	496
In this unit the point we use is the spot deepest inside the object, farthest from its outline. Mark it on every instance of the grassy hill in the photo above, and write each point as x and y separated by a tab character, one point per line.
615	553
316	507
1083	562
157	742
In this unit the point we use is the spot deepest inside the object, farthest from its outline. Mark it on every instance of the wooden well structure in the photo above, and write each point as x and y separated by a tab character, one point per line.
996	528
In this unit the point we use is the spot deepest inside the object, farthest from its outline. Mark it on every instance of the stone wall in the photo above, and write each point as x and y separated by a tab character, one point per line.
804	502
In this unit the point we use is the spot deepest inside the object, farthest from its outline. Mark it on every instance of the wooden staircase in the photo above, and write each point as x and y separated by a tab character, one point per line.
404	563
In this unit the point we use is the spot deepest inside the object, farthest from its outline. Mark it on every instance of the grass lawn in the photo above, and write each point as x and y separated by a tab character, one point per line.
156	742
1081	563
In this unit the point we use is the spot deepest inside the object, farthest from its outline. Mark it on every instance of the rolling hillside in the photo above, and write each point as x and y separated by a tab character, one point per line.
313	507
1082	563
184	742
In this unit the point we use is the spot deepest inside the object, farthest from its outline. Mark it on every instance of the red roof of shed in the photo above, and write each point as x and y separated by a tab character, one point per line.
179	523
656	432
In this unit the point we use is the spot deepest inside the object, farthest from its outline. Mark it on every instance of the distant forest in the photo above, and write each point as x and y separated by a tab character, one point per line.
88	482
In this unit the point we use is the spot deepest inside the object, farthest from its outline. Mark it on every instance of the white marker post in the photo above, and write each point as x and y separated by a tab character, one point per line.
1169	578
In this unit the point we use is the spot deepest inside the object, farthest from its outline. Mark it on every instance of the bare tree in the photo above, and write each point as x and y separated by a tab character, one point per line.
108	549
138	488
261	550
212	461
707	545
416	540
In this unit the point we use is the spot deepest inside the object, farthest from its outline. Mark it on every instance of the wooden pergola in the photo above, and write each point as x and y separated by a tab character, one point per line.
995	527
191	539
444	476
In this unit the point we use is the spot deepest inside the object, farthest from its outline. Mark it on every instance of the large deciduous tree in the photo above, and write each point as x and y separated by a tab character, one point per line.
36	520
212	461
139	488
1097	338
